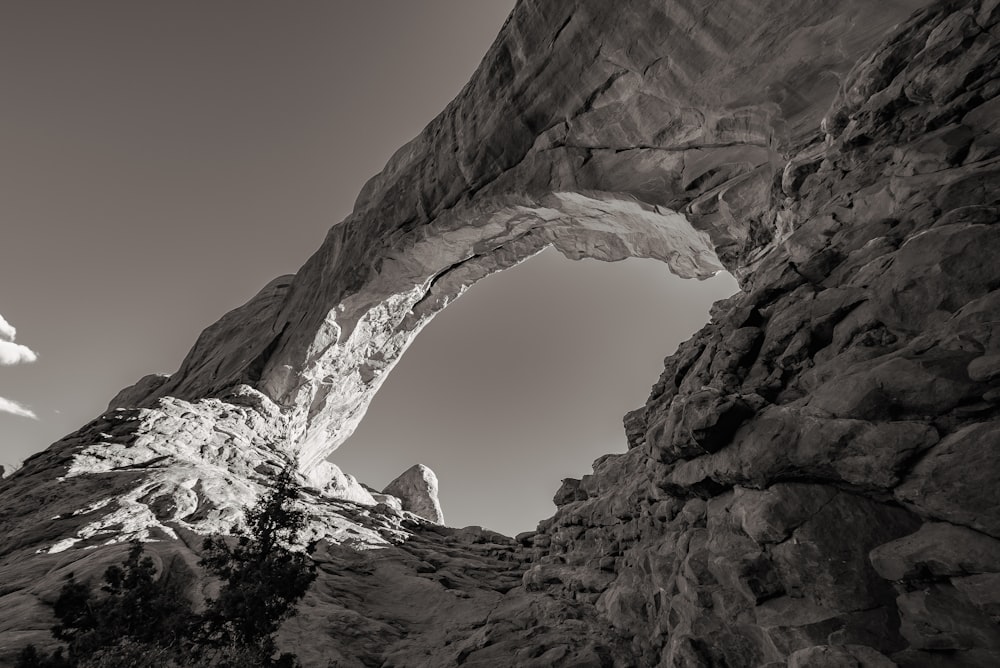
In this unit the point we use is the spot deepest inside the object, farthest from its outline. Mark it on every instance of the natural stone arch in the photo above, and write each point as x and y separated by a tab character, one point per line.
589	145
804	463
364	335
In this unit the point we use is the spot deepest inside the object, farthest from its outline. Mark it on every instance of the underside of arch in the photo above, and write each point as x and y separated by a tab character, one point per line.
365	334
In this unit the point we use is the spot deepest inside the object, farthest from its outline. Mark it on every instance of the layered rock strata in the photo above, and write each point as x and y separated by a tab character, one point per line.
814	478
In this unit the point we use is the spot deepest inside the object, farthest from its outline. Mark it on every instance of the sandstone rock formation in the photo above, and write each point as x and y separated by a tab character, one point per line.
417	489
814	478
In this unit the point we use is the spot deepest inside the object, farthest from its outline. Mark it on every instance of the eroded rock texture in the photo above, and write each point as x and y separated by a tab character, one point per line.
813	480
417	490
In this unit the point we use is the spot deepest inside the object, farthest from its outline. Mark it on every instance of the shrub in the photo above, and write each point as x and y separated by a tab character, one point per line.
136	606
262	577
144	621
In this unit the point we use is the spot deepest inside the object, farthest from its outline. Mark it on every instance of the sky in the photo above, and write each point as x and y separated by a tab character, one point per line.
161	162
524	380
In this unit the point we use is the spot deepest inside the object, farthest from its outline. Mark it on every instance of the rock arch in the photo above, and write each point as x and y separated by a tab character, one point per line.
812	479
643	142
365	334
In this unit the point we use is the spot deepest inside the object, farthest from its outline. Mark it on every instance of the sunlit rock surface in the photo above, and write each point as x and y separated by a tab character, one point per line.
417	490
814	478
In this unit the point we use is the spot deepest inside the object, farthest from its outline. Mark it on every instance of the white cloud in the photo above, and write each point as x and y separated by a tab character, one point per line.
14	408
7	330
15	353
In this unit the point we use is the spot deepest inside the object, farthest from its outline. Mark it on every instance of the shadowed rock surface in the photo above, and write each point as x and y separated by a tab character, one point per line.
814	478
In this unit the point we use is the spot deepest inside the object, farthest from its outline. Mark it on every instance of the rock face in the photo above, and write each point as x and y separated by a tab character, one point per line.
417	489
814	478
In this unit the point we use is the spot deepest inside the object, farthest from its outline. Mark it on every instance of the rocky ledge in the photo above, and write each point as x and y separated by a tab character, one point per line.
814	478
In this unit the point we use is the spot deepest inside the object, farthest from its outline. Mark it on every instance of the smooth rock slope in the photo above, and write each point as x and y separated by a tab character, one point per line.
814	478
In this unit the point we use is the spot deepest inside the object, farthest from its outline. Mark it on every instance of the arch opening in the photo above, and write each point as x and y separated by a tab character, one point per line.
328	381
525	381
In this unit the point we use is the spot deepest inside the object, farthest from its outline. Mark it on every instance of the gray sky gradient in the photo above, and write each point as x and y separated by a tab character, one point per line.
161	162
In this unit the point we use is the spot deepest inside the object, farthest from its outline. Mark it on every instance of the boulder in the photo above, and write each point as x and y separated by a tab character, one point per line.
417	489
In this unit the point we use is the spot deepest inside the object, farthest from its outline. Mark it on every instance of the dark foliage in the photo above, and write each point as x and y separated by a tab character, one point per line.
262	578
141	620
30	657
135	606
